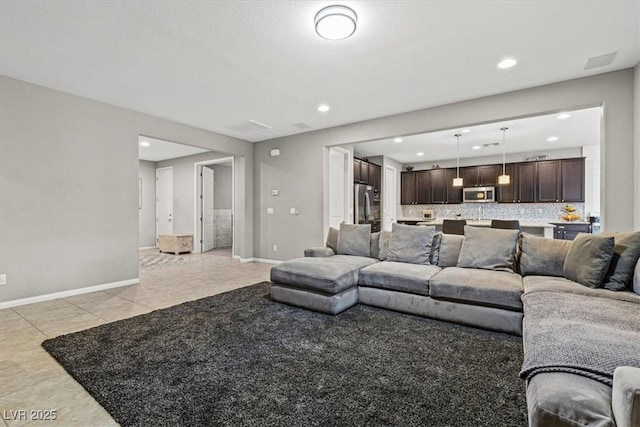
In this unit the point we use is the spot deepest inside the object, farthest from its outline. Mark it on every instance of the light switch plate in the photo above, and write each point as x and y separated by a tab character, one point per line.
269	211
292	211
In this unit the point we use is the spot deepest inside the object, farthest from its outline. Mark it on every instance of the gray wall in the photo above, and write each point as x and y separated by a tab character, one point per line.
636	118
184	192
69	188
222	186
147	215
298	171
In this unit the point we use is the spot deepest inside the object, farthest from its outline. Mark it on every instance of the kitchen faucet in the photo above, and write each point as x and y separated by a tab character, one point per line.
480	213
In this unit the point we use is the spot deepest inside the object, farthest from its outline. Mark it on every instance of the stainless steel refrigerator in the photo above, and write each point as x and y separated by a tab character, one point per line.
367	206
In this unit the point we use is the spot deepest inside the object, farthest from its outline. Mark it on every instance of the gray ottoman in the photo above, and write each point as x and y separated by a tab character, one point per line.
328	285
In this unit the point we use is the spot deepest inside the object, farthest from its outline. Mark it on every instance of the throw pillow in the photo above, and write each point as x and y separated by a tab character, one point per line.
375	245
636	279
625	256
542	256
450	245
354	239
384	245
588	259
410	243
488	248
332	239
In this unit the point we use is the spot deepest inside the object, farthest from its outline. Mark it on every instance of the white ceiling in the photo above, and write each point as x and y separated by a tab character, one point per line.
523	136
159	150
218	64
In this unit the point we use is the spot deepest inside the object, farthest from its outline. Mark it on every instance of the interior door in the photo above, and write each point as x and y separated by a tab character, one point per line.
337	188
207	209
164	201
389	197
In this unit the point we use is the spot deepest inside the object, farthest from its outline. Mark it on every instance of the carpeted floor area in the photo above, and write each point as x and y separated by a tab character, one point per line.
240	359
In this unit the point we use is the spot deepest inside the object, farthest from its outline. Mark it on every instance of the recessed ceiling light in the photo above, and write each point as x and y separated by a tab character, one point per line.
563	116
323	108
397	140
507	63
420	154
552	138
465	130
476	147
336	22
144	144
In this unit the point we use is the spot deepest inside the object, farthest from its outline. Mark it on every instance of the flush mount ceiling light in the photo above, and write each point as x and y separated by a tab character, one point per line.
323	108
563	116
457	181
476	147
465	130
504	179
420	154
144	144
507	63
552	138
397	140
336	22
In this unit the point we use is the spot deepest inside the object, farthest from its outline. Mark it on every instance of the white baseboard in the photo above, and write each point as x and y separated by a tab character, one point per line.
264	260
69	293
147	247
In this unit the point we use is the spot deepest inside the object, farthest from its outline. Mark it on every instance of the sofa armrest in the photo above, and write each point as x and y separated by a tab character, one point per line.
625	396
318	252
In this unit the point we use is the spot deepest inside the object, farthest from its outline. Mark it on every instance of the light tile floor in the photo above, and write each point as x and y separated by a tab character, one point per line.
30	379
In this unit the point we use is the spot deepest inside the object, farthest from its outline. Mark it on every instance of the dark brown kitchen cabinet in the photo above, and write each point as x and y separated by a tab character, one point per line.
364	172
423	187
469	176
357	165
453	194
507	192
480	176
568	231
375	173
572	179
525	182
408	188
548	188
438	186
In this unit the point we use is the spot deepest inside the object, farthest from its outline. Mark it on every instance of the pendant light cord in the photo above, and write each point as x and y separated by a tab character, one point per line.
458	156
504	131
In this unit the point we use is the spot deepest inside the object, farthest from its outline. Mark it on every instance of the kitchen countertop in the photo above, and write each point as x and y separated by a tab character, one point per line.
487	223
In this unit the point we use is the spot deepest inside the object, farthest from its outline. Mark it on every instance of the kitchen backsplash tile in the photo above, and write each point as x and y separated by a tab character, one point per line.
522	211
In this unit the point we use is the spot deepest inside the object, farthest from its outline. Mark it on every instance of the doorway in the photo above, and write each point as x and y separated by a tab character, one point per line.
164	201
389	197
214	210
340	184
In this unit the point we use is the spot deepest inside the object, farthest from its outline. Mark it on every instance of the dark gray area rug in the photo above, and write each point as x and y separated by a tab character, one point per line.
240	359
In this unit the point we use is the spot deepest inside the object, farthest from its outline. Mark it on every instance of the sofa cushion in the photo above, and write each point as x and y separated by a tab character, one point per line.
625	256
449	252
374	245
588	259
488	248
625	396
636	278
329	275
318	252
410	243
384	244
354	239
332	239
568	400
542	256
560	284
481	287
398	276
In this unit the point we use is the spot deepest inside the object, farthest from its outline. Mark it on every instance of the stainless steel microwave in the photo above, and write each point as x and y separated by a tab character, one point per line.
479	194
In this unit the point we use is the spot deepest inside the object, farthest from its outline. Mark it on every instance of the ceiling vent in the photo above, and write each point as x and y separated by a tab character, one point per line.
600	61
253	130
302	125
491	144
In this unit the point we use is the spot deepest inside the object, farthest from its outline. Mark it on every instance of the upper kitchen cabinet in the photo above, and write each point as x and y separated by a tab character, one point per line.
507	192
525	182
572	180
423	187
548	181
453	194
357	166
438	186
480	176
408	188
375	176
366	173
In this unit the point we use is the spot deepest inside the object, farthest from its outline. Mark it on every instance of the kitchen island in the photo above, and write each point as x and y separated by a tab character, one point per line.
544	229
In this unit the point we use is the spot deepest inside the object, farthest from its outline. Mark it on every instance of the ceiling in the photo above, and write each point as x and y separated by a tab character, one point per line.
219	64
158	150
523	136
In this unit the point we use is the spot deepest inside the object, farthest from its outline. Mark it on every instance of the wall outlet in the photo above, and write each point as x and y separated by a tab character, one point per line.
275	248
3	279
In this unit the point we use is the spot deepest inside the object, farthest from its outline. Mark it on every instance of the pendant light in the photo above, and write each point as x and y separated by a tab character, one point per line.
457	181
504	179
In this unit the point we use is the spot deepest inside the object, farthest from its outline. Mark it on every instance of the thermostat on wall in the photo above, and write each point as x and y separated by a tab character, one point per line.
274	192
275	152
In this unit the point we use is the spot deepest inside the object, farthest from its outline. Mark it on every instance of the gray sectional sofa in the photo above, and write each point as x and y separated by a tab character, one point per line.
576	304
